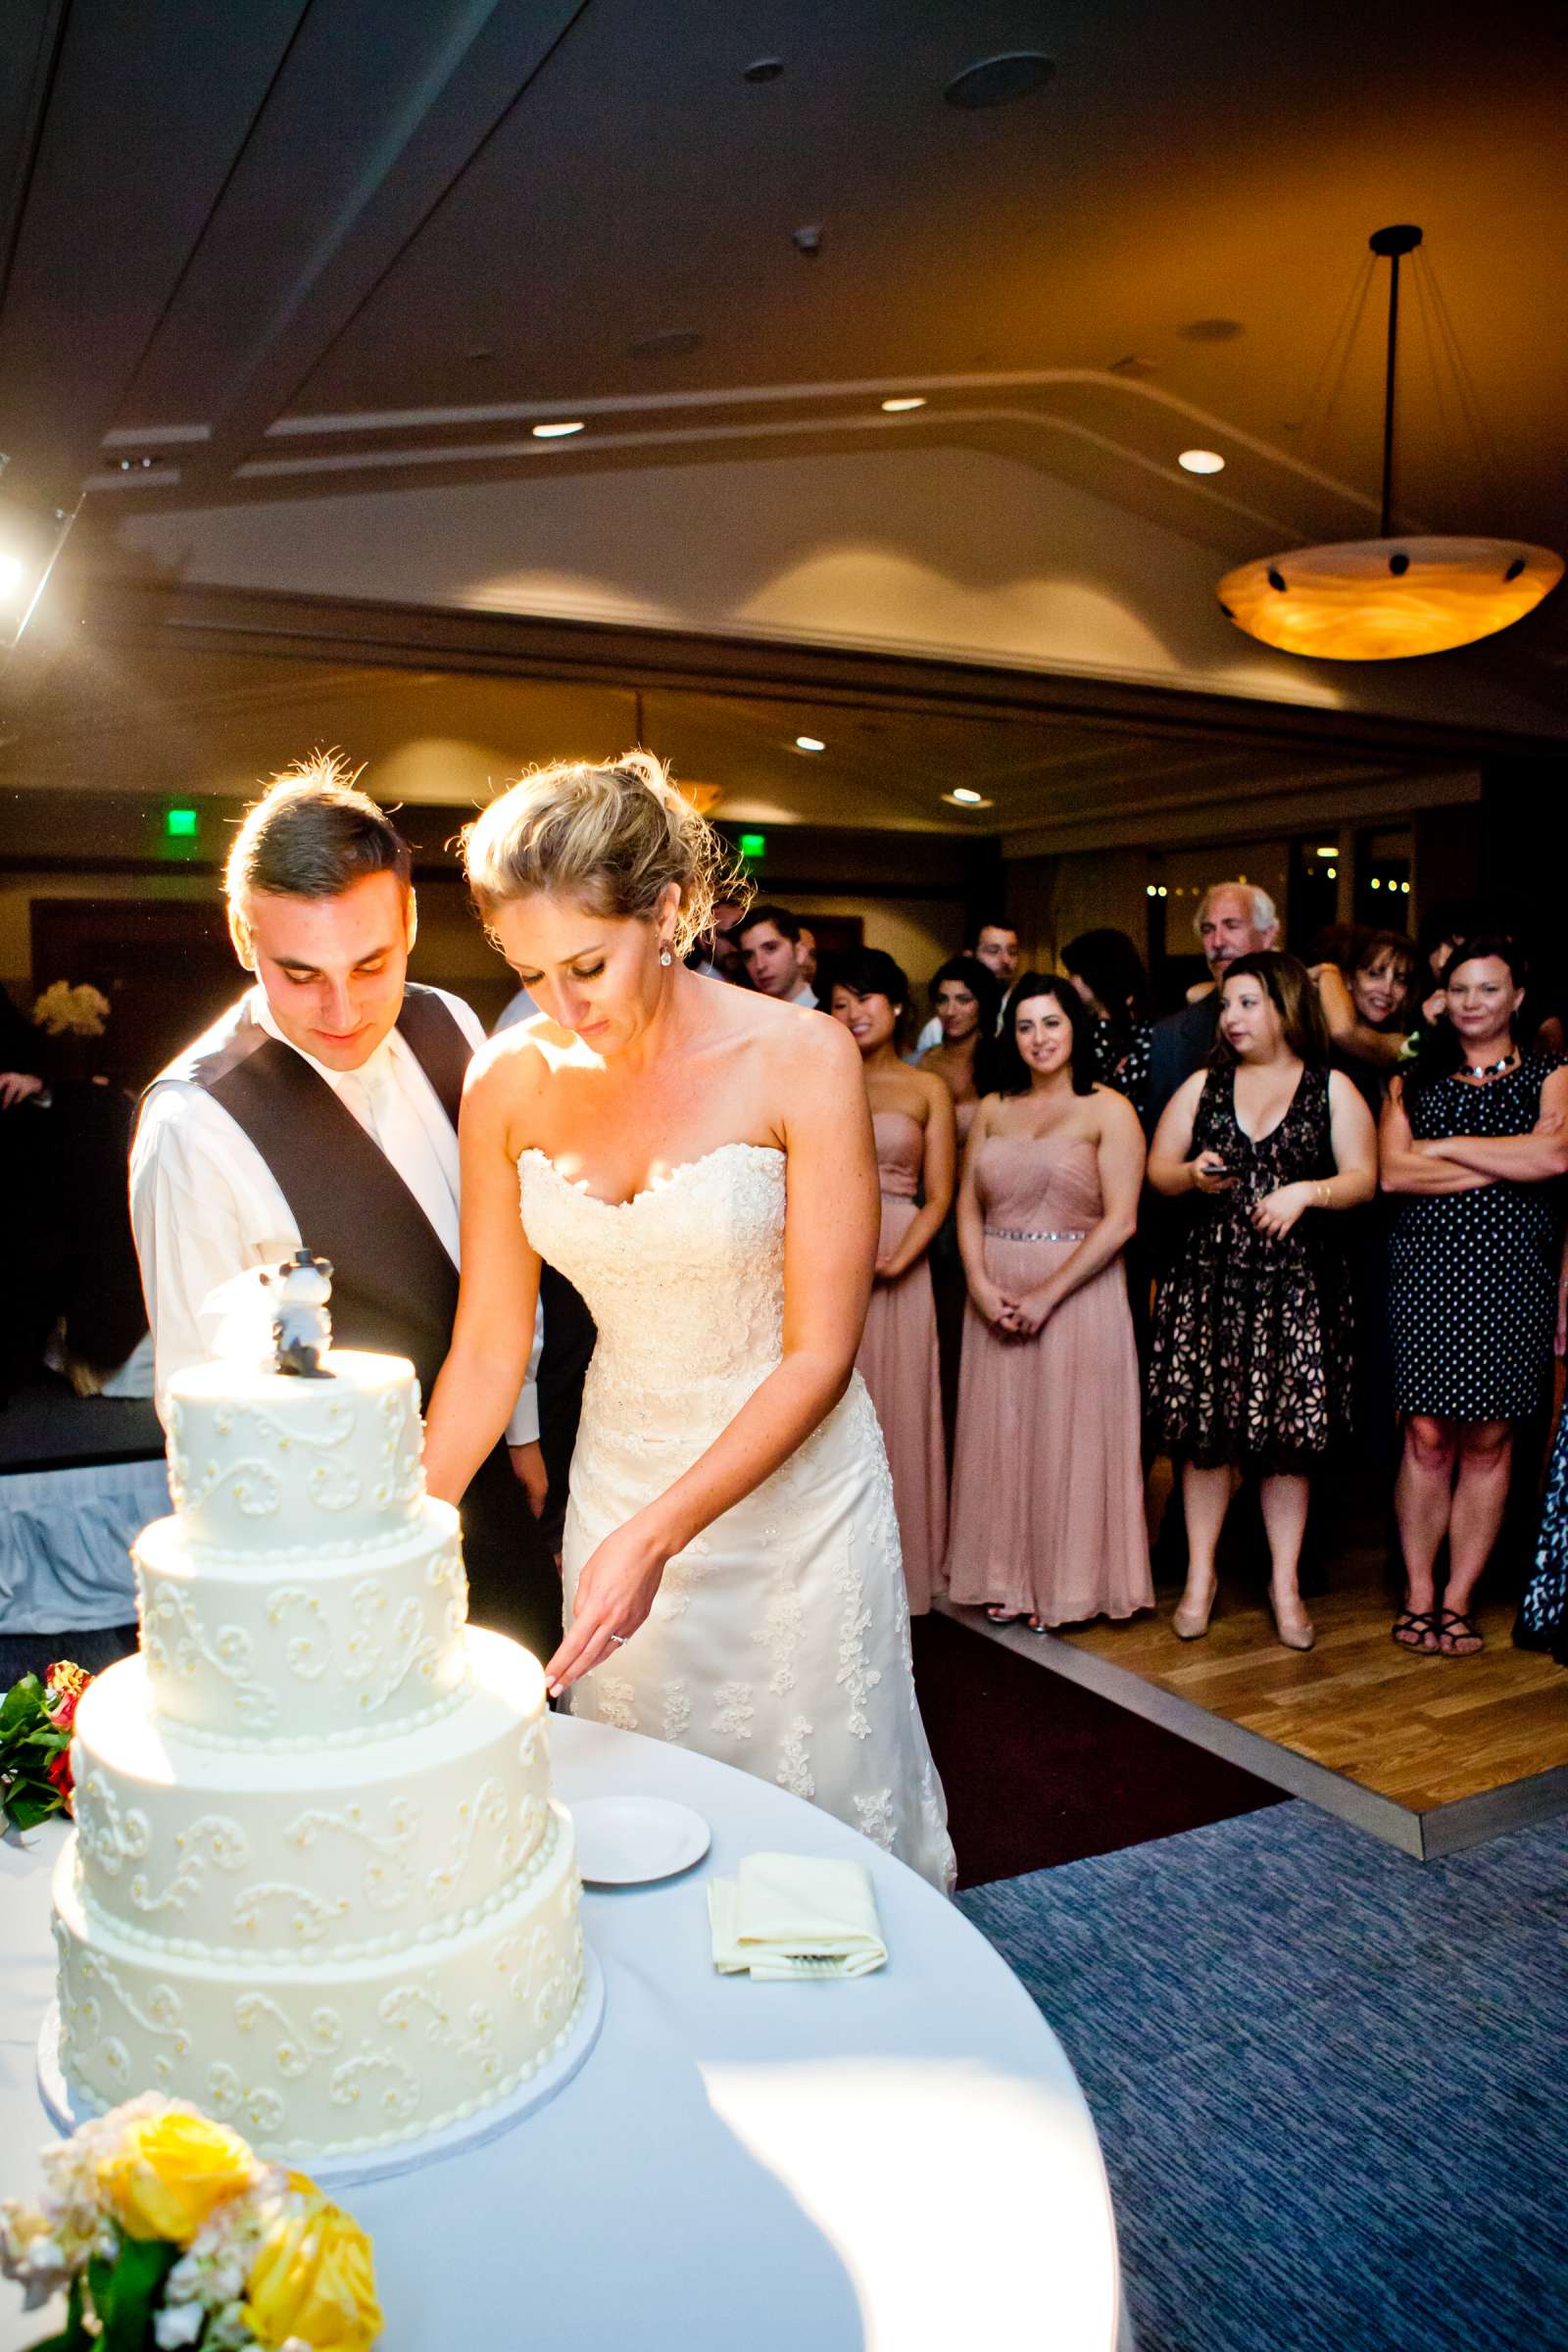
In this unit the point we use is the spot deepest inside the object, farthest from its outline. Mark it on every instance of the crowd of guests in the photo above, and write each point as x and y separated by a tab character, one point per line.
1312	1215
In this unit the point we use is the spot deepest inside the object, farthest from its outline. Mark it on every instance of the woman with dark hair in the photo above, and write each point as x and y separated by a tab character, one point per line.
1107	971
1368	998
966	998
1368	1005
911	1116
1047	1516
1250	1369
1472	1138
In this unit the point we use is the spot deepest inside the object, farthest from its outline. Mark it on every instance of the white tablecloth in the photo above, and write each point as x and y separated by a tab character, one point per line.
65	1544
896	2161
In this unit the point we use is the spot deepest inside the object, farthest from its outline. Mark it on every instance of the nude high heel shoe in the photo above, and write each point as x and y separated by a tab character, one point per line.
1191	1625
1295	1632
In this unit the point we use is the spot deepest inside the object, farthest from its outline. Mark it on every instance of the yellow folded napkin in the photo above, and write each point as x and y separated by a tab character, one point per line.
792	1915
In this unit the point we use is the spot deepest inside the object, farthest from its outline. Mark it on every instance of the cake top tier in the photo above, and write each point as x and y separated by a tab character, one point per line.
264	1462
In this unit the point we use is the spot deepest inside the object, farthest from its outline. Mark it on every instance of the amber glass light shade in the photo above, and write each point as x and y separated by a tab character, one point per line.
1383	600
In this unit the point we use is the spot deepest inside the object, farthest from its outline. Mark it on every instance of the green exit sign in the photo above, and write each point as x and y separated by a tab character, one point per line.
753	844
180	823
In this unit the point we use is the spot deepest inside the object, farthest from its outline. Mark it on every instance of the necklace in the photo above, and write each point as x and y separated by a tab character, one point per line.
1494	1069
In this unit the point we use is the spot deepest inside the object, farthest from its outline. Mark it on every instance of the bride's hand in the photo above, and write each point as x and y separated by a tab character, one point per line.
615	1594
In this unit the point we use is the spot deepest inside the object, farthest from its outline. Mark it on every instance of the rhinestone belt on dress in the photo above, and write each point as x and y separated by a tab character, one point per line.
1015	1233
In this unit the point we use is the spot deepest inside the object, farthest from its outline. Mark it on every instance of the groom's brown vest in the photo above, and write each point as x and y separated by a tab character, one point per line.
394	1287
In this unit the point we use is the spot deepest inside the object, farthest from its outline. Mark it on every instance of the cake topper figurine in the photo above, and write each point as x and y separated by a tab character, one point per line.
301	1327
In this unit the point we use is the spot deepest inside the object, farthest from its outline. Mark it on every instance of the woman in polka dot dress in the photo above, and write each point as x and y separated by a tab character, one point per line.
1471	1140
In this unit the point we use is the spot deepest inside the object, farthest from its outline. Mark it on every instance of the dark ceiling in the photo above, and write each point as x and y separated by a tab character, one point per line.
257	248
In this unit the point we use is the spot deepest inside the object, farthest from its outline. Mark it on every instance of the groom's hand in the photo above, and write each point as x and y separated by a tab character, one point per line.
528	1463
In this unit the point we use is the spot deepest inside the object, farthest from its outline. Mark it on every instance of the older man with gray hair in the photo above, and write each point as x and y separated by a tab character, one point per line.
1233	918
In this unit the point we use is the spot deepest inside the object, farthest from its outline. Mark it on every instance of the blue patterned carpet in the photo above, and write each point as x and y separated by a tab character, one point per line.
1331	2083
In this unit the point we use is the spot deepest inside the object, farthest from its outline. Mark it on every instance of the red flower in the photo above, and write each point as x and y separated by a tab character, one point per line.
59	1776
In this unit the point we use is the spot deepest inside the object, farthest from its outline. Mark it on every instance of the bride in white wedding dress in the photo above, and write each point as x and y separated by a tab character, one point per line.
699	1163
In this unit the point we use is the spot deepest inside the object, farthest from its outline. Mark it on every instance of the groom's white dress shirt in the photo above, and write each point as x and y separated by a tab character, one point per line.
205	1205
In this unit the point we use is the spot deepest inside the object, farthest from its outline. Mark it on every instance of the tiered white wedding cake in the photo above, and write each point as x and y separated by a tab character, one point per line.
317	1884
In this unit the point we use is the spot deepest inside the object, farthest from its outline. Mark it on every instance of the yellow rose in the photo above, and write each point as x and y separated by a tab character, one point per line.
314	2278
168	2172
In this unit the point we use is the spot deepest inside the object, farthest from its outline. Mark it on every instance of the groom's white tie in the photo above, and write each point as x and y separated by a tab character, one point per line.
381	1103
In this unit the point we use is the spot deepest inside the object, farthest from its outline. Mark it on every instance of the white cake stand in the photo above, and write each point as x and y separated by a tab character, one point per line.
67	2107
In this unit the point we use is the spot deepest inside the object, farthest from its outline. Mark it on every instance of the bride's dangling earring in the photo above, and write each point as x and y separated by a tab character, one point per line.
664	957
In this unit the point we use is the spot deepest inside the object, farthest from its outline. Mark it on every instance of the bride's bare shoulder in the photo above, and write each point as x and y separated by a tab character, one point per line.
788	1047
512	1070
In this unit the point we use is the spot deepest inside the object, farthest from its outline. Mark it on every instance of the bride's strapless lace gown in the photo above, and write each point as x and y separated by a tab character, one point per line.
779	1639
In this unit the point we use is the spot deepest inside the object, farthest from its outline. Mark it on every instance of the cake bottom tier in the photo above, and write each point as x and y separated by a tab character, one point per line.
346	2058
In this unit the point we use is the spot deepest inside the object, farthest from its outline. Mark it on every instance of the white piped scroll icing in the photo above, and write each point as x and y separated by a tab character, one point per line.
317	1883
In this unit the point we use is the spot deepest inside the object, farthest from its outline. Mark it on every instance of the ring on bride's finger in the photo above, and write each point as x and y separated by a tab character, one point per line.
619	1638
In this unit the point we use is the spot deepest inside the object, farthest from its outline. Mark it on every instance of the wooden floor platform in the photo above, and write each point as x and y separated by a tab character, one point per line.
1428	1754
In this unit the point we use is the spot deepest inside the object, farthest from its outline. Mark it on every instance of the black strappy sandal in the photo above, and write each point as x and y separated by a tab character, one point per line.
1419	1621
1453	1623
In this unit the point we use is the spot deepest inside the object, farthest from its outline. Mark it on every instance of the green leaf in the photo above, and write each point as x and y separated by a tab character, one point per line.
23	1810
22	1700
100	2280
73	2337
135	2281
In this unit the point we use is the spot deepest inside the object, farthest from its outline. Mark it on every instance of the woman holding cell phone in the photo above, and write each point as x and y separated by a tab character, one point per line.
1250	1368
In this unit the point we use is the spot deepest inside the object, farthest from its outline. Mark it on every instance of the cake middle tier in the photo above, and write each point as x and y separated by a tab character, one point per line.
343	1646
300	1861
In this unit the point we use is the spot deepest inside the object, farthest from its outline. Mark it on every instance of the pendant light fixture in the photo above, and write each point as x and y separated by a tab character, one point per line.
1383	599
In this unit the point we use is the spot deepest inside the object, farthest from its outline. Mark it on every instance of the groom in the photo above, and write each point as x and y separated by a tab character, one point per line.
322	1108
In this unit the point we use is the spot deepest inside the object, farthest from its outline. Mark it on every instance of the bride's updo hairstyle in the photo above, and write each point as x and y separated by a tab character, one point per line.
613	837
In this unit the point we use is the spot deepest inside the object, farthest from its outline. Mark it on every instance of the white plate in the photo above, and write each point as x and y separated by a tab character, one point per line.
628	1840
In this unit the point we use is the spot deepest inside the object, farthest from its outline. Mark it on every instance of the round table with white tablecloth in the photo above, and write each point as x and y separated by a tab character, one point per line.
890	2161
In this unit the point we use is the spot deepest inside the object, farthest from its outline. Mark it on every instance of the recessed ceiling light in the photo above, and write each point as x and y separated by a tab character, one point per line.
1201	460
556	433
896	407
962	796
998	80
810	742
1328	849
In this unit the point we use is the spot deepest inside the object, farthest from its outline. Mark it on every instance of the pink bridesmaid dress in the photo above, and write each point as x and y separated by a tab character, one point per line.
1048	1495
897	1361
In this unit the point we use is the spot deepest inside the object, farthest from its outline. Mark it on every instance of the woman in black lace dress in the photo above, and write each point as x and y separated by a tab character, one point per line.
1471	1139
1251	1370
